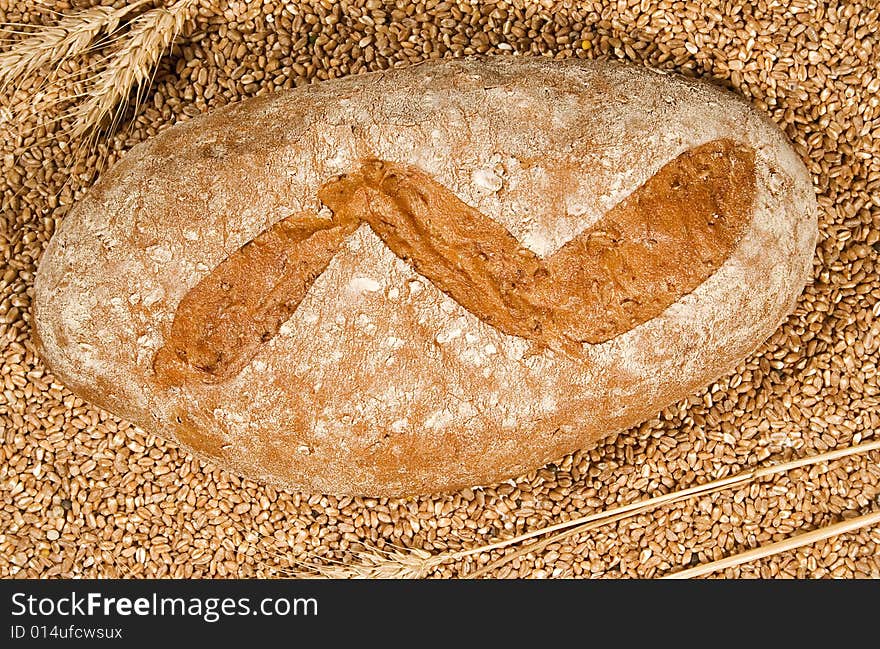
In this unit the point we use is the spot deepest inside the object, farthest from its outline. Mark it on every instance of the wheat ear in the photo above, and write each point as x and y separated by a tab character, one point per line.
51	46
130	65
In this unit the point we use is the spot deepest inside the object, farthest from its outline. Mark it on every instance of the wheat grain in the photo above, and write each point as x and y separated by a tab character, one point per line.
791	543
144	508
414	563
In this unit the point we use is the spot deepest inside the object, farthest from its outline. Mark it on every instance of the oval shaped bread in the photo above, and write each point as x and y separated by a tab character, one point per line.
426	278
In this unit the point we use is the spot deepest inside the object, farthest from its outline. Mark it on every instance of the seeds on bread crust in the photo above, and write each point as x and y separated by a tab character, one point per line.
658	244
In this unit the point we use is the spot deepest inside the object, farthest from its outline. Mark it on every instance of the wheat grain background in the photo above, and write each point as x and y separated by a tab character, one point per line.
84	494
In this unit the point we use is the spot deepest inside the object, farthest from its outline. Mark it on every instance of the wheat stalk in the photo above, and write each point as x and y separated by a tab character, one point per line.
51	46
130	65
790	543
407	563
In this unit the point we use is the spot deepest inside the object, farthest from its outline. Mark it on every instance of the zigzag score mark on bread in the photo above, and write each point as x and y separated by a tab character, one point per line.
655	246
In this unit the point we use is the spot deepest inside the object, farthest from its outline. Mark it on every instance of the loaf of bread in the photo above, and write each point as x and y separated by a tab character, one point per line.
428	278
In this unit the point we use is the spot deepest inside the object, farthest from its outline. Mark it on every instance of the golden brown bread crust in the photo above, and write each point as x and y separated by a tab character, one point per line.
379	382
657	245
222	321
